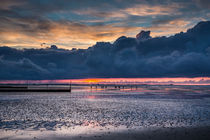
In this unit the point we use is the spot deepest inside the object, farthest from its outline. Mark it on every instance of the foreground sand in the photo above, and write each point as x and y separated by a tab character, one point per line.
193	133
152	112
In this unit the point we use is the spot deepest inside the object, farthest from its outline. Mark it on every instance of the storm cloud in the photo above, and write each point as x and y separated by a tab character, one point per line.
185	54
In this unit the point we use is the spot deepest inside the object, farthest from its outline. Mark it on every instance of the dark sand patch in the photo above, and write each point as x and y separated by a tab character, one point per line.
196	133
193	133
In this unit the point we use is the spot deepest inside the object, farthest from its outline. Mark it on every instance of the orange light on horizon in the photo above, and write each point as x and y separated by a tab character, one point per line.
165	80
91	80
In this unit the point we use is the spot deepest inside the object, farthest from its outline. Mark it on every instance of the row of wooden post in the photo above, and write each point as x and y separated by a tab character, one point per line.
119	87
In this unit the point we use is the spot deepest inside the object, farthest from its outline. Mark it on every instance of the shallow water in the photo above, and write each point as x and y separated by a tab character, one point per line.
94	109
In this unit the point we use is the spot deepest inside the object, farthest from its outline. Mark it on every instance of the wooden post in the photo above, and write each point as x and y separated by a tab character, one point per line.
70	86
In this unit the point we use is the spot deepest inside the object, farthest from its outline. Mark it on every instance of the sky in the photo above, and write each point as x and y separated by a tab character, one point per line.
77	39
81	23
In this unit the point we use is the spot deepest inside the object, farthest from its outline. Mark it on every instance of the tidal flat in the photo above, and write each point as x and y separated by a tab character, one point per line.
146	112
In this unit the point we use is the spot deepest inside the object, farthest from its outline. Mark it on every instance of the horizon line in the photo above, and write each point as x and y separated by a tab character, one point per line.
162	80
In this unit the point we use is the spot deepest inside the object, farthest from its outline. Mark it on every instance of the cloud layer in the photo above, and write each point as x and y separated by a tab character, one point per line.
81	23
186	54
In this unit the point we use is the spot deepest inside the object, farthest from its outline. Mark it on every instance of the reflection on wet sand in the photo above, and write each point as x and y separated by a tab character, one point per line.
90	111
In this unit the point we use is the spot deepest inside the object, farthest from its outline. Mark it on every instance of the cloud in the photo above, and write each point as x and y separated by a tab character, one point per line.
135	10
153	10
203	3
184	54
22	67
66	34
8	4
175	25
81	23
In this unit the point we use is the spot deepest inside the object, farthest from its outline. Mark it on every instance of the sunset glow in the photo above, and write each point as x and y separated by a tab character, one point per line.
81	24
178	81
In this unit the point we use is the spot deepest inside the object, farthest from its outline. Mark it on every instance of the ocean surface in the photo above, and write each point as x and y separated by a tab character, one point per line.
91	110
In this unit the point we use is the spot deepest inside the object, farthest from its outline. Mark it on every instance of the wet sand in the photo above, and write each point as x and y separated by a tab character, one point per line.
196	133
192	133
152	112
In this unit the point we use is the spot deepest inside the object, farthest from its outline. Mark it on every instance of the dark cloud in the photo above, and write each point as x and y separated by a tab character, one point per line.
40	21
203	3
182	55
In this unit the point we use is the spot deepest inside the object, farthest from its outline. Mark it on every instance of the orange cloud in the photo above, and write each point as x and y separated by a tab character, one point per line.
64	34
137	10
149	10
172	27
76	35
